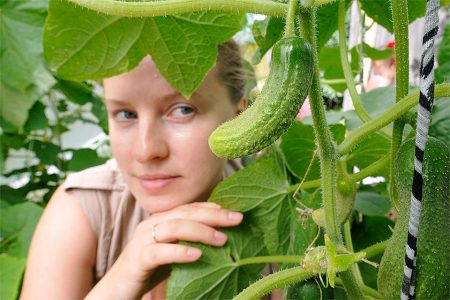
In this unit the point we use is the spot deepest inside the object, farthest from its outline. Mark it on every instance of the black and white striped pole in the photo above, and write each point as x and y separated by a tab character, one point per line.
426	99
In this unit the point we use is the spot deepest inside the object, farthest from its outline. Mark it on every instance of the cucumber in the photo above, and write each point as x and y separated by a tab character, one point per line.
277	105
433	241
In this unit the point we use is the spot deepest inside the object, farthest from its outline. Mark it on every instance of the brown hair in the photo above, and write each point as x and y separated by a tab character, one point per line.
230	69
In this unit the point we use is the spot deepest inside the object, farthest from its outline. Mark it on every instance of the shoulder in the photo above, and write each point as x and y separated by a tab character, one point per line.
65	246
103	177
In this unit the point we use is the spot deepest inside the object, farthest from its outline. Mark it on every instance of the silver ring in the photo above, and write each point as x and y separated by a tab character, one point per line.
153	233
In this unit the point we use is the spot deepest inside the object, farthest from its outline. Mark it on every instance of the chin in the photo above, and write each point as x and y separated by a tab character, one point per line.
157	204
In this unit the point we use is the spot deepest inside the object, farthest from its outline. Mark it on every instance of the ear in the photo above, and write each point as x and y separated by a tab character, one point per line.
242	105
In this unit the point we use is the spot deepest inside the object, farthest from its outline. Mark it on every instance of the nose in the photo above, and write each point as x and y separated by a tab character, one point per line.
151	143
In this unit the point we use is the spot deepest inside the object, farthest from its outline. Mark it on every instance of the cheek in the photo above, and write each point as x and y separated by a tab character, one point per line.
196	154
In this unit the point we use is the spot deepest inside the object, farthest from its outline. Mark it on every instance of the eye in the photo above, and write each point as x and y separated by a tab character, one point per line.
124	115
182	111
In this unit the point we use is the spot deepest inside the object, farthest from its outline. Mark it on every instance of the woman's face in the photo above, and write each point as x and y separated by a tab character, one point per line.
160	139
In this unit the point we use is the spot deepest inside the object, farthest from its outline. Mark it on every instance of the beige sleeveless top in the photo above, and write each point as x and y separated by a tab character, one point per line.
111	209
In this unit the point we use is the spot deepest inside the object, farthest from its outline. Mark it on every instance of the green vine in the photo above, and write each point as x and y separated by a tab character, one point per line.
273	281
290	19
325	145
343	50
400	26
281	259
390	115
173	7
326	149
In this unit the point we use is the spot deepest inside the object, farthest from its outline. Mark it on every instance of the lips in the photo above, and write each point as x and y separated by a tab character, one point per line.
157	182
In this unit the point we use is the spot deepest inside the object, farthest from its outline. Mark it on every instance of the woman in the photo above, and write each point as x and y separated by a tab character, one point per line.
108	231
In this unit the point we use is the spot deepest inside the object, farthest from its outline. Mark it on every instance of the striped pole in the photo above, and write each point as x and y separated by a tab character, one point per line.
426	99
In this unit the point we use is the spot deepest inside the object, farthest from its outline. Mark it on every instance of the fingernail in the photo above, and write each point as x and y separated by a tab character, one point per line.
232	215
194	252
220	236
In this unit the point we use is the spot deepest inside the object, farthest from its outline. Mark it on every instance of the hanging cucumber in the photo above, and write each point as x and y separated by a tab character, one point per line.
433	243
276	107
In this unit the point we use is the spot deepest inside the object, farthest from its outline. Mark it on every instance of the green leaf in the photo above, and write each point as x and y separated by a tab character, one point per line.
298	145
377	54
11	270
84	158
77	92
378	100
440	121
36	117
371	203
81	44
380	11
20	41
259	190
17	103
217	274
327	16
442	72
330	64
45	151
371	149
266	32
19	220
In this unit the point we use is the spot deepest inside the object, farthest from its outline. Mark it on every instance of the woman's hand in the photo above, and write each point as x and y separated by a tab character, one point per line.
154	243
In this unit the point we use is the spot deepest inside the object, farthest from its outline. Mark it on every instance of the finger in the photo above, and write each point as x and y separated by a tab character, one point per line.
205	204
210	216
155	255
187	230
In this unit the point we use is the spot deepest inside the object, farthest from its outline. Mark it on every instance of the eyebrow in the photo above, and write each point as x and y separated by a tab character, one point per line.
165	97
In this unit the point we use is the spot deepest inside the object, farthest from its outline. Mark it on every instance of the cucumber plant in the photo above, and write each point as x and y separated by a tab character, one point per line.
277	105
330	189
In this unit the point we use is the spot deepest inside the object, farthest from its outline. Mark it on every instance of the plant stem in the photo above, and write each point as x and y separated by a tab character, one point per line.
393	113
349	245
375	249
348	74
273	281
270	259
397	137
290	19
363	173
173	7
372	169
322	2
367	290
400	26
326	148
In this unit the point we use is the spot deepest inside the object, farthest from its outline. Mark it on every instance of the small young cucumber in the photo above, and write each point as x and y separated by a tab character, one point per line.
433	241
277	105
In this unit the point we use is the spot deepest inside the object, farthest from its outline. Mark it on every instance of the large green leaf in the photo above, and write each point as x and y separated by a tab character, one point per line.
368	151
81	44
381	12
36	118
84	158
298	145
20	41
442	72
330	64
440	120
327	16
377	54
371	203
218	274
378	100
259	190
15	103
19	221
11	270
266	33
